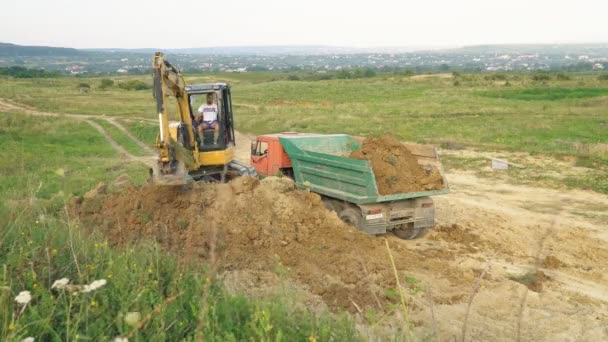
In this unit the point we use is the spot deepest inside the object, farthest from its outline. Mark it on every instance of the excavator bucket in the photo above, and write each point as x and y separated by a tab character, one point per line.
179	177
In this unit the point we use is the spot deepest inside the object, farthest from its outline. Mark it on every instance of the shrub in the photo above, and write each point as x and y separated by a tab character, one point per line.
495	77
293	78
603	77
541	77
83	87
134	85
106	83
562	77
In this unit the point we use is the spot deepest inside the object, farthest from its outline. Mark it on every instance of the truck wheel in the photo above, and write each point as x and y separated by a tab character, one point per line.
351	216
407	231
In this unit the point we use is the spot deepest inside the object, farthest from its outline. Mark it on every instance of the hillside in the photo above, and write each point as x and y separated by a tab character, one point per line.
7	49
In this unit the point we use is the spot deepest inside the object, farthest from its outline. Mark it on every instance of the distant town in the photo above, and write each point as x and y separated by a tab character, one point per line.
491	58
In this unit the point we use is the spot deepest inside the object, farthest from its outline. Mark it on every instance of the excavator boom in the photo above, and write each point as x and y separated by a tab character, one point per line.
168	81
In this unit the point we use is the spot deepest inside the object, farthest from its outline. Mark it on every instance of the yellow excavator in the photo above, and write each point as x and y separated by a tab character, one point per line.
185	153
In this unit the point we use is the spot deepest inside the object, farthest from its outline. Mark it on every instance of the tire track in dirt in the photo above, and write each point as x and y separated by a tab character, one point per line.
128	133
88	118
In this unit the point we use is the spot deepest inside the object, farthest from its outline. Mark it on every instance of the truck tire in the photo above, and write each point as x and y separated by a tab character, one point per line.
351	216
407	232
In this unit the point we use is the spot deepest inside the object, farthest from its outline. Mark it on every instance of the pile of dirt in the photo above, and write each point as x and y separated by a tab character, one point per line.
256	226
396	168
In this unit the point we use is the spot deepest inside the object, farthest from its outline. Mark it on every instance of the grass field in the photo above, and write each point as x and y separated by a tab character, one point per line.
45	160
555	117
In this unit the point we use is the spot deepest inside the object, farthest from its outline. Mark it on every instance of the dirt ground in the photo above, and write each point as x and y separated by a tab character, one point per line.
526	263
395	167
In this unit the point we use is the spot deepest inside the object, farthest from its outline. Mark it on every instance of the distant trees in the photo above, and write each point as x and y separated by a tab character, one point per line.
355	73
23	72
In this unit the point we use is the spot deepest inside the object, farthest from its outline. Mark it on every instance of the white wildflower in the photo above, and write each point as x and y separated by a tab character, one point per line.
23	297
121	339
28	339
132	318
61	283
93	286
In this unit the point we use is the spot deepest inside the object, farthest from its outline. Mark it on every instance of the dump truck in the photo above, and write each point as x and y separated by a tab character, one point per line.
320	163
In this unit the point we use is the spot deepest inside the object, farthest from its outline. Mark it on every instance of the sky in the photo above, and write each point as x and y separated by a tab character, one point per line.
376	23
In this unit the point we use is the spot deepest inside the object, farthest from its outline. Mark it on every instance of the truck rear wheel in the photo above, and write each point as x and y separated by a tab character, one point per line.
351	216
408	232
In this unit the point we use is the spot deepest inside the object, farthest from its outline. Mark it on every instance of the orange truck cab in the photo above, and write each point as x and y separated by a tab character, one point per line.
268	156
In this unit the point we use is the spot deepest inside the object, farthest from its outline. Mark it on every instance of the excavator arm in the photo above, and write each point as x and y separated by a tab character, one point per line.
168	81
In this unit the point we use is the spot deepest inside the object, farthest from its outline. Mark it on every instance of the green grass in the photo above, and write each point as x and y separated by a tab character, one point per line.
551	94
52	157
121	138
144	131
43	162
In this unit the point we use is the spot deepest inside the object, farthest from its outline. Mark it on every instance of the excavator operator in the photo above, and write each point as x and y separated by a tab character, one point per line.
206	118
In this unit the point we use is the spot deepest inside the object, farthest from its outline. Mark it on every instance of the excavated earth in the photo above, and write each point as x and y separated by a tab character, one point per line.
255	226
395	167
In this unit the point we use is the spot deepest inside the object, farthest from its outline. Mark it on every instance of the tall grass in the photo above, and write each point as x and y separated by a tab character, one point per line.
38	247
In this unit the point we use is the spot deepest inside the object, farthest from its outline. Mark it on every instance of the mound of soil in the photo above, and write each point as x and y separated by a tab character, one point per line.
396	168
257	226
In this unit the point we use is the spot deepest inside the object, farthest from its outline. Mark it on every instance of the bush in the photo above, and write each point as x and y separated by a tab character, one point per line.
83	87
106	83
603	77
562	77
293	78
495	77
541	77
134	85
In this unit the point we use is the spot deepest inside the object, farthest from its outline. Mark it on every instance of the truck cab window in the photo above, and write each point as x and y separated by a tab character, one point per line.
262	148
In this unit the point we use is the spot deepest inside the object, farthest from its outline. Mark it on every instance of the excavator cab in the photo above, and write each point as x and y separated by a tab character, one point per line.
197	96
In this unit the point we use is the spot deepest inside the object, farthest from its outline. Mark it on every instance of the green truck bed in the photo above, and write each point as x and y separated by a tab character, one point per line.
320	164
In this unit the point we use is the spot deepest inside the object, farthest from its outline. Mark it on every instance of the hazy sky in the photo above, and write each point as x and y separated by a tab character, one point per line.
199	23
